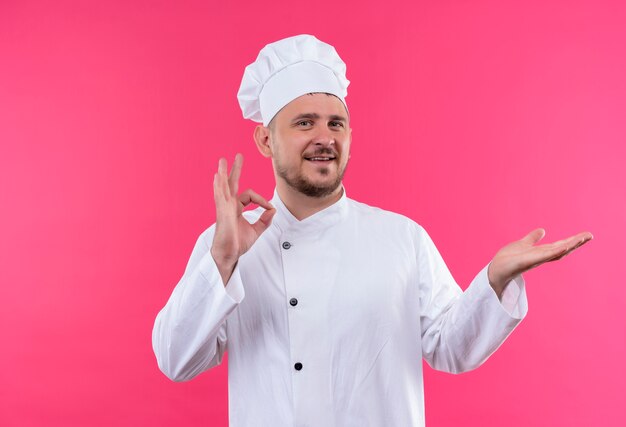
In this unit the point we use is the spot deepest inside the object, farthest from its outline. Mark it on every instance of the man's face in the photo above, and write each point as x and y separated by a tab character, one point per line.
310	144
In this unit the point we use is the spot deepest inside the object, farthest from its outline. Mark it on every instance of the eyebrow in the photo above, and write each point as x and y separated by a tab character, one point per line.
316	116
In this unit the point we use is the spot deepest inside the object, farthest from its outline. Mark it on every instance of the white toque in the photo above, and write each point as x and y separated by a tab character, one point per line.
287	69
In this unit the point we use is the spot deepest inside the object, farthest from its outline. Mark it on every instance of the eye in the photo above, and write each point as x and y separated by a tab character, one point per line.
336	124
302	123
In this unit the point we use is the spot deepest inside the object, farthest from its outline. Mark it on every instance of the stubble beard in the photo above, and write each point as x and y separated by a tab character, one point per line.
300	183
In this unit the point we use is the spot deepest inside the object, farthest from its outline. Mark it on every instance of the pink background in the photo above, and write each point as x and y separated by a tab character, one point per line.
480	120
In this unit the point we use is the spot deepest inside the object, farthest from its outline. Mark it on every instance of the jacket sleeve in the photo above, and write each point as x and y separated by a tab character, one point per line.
460	330
189	334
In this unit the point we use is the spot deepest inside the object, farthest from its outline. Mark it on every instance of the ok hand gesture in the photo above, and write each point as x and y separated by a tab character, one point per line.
522	255
234	235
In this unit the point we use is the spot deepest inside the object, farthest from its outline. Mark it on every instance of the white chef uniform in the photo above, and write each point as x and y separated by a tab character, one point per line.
326	320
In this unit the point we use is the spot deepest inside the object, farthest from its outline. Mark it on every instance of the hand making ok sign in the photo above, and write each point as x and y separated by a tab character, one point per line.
234	235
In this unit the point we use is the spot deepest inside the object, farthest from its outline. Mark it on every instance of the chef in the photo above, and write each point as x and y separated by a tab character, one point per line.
325	305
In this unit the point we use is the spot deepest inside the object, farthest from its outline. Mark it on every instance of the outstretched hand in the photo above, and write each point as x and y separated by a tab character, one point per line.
523	255
234	235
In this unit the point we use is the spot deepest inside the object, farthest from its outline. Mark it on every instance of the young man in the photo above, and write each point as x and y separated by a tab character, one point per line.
324	304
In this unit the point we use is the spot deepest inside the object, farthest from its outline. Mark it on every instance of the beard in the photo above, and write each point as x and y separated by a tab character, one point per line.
302	184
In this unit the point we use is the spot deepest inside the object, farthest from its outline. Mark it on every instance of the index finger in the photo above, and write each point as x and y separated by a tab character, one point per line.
235	173
576	240
249	196
557	250
575	243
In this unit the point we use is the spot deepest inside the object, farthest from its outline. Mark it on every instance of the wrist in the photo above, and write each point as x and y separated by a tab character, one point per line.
225	265
497	284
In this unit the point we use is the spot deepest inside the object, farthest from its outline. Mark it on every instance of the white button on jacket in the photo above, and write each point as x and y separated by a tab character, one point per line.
326	320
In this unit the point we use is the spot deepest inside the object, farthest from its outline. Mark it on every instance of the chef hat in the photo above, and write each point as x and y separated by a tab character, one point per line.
287	69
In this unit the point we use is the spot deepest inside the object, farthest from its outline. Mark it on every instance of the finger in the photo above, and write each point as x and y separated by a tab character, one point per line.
223	206
571	249
584	237
217	189
541	254
538	255
557	250
534	236
235	173
222	166
222	178
570	242
249	196
219	192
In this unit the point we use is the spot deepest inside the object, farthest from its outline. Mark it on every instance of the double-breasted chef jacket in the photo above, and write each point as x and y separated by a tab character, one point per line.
326	320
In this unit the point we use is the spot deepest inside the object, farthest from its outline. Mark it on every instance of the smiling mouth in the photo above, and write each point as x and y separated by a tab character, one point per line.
320	158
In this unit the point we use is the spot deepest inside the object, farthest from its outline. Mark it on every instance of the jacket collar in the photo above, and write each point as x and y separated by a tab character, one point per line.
327	217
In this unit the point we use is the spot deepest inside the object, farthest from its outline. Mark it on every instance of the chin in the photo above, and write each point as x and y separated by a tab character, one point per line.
327	181
313	183
316	188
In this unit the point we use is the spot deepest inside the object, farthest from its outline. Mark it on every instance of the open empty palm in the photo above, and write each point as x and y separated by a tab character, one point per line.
523	255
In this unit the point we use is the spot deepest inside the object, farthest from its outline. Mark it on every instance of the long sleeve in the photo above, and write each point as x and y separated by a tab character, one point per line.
338	309
189	334
460	330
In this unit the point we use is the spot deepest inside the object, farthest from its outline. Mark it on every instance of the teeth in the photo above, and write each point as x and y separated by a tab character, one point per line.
319	158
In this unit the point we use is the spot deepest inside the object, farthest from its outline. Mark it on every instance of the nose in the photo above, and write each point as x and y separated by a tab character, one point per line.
324	137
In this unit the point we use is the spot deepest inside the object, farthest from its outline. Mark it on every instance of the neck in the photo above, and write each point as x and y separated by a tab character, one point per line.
302	206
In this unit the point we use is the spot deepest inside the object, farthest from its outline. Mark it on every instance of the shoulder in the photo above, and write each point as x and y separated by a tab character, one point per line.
384	219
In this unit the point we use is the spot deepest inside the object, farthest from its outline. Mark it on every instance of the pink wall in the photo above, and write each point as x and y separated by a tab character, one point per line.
479	120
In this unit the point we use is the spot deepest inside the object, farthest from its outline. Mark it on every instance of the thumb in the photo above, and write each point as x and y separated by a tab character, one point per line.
534	236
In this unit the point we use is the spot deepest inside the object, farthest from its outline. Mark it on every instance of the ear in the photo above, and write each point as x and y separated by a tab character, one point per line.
262	139
350	140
